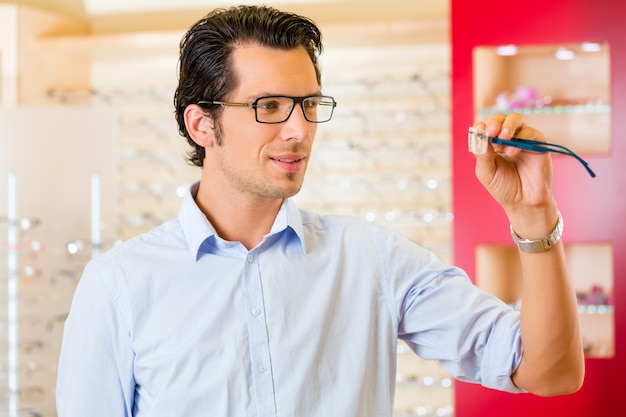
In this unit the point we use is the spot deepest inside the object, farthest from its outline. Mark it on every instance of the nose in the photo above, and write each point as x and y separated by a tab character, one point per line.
296	126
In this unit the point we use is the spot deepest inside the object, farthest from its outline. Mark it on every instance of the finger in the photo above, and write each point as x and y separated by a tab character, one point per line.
493	124
505	126
506	150
528	132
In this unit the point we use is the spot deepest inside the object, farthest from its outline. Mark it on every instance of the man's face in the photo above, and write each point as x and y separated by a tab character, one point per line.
265	160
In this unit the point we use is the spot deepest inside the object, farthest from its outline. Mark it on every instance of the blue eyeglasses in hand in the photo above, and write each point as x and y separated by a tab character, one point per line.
477	141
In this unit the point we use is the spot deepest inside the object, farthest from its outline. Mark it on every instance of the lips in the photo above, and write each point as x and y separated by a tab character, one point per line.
289	163
289	157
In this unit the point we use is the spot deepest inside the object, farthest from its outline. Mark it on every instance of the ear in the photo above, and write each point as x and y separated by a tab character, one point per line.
199	126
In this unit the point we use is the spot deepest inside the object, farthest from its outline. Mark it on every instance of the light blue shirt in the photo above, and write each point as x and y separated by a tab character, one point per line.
180	323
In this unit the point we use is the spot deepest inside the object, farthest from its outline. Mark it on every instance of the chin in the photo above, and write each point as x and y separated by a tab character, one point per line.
288	193
293	192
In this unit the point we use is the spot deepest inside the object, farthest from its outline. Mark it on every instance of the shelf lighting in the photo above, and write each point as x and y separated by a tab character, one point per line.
507	50
590	47
564	54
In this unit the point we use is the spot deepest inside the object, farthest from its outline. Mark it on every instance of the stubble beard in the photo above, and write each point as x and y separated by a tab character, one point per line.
261	186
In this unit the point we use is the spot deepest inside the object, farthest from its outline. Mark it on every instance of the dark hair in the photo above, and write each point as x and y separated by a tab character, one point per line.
205	68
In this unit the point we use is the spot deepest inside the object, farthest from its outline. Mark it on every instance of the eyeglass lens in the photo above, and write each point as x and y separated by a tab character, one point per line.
316	109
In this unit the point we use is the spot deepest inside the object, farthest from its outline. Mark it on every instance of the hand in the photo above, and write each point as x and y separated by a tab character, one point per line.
518	180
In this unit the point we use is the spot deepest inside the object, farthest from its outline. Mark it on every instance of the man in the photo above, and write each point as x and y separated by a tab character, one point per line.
246	306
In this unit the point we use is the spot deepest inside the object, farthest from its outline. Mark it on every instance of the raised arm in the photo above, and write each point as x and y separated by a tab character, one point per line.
521	182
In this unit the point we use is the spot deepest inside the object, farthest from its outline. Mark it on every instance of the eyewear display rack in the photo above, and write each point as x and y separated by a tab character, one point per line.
9	372
56	210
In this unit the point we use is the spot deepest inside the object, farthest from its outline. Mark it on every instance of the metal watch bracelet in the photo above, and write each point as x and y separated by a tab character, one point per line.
539	245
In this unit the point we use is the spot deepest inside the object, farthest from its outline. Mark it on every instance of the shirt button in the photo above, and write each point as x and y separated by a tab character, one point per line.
262	367
256	311
250	258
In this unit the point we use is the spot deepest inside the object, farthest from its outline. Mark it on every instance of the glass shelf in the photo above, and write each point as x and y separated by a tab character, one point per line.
595	309
560	109
587	308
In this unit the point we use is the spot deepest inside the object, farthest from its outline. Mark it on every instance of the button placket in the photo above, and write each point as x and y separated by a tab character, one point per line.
258	337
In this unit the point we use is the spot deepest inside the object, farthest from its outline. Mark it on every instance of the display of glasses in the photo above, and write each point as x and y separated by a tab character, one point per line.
384	156
36	291
57	210
423	388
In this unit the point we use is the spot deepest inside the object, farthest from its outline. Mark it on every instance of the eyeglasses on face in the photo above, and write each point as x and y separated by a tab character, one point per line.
477	141
277	109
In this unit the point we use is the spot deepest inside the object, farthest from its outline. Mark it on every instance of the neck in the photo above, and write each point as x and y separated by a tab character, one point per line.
237	219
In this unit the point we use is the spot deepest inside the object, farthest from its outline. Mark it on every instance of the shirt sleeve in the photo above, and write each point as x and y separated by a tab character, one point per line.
95	365
443	316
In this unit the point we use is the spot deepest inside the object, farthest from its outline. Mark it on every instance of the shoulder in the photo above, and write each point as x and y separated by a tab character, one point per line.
333	222
328	221
158	244
355	232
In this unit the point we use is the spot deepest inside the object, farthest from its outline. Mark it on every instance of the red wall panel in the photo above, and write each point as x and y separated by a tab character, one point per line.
594	209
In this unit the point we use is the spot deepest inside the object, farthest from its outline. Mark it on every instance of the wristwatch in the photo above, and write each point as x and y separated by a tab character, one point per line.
539	245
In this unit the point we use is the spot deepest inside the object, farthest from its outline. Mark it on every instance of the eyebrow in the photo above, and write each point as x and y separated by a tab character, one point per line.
270	94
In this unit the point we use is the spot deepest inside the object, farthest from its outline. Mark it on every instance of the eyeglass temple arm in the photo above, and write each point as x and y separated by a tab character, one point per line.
224	103
536	146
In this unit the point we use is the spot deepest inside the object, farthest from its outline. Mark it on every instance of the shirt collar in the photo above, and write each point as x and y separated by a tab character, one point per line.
198	230
289	216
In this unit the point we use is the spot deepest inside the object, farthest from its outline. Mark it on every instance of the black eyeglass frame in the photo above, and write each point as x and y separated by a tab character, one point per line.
295	100
477	142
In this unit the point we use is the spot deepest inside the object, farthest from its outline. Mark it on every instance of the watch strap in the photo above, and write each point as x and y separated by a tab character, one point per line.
539	245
